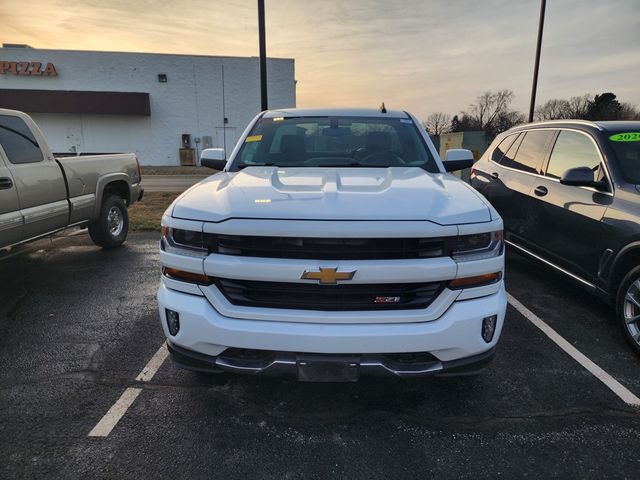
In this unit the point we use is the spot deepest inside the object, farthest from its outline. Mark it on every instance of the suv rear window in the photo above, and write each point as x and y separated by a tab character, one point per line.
507	159
532	151
502	148
335	142
17	141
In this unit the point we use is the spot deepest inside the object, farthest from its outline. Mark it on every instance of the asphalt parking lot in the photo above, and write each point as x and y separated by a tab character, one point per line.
79	324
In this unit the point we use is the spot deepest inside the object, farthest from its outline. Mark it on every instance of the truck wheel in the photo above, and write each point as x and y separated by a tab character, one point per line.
628	308
111	228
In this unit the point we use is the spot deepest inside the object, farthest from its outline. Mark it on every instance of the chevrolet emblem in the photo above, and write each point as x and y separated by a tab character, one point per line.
327	276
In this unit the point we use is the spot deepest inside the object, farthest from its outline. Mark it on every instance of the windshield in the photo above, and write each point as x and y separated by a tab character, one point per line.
335	142
627	148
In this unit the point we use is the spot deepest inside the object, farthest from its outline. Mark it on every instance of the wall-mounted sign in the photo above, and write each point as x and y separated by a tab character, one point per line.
28	69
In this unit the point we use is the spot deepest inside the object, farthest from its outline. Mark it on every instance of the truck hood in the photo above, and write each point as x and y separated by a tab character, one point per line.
398	193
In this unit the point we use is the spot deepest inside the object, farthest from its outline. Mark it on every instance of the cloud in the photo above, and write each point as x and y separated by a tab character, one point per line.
414	55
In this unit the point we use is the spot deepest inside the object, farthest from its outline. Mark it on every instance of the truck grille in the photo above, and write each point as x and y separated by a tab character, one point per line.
327	248
303	296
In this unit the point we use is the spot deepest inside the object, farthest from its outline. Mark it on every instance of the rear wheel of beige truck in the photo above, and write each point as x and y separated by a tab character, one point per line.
110	229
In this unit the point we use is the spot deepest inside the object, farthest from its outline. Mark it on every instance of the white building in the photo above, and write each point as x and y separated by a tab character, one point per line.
149	104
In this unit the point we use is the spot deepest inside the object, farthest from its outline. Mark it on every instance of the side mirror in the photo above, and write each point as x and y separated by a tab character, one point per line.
458	159
579	177
213	158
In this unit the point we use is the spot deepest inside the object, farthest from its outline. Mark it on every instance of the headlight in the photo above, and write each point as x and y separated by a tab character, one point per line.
185	242
478	246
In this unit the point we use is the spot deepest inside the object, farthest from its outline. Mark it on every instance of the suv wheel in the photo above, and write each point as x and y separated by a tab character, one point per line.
111	228
628	308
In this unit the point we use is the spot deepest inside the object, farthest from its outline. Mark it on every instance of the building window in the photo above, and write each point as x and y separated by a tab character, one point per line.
162	77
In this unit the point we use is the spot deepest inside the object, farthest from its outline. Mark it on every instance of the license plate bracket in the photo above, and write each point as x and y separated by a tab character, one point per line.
313	368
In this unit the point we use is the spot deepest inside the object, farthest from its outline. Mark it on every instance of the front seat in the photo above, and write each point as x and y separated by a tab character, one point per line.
293	149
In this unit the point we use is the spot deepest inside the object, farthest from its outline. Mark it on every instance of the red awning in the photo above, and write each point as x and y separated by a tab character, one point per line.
69	101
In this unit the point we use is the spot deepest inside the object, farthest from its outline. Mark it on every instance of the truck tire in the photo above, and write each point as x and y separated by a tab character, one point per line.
112	225
628	308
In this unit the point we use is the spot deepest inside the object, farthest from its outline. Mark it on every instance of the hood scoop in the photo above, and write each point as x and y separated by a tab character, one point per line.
354	194
331	180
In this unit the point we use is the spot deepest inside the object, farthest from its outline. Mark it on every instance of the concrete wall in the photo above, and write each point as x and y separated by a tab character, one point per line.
474	141
190	102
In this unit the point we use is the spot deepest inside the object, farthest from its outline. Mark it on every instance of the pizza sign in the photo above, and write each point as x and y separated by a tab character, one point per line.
28	69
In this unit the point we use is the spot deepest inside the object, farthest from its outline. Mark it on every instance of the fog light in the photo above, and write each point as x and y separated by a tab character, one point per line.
489	327
173	321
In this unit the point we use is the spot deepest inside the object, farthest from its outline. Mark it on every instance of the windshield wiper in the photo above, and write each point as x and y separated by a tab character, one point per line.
352	164
327	165
240	167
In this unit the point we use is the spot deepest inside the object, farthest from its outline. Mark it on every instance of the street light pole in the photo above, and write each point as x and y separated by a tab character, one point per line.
263	57
534	88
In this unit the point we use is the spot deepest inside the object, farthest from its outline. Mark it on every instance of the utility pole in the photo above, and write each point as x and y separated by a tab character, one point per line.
224	119
534	88
263	57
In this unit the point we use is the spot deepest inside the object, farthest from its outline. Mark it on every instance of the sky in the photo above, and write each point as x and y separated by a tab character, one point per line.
417	55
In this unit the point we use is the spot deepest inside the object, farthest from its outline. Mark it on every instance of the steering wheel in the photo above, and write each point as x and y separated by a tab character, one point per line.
384	156
358	153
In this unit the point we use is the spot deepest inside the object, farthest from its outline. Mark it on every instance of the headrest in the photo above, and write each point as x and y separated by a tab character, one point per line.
292	145
378	142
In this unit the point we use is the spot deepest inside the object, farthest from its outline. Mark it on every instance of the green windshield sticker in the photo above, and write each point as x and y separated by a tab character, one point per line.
625	137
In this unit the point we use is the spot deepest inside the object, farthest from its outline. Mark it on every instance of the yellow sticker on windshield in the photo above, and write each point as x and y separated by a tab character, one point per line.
625	137
253	138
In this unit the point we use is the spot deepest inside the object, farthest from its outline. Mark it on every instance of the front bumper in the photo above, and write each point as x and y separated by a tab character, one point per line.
288	363
455	336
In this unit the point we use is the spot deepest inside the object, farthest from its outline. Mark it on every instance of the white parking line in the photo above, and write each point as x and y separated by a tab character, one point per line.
116	412
615	386
107	423
154	364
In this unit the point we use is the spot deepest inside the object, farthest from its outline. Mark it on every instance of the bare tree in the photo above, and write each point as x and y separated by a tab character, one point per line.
488	107
490	113
579	106
506	120
437	123
599	107
629	112
554	109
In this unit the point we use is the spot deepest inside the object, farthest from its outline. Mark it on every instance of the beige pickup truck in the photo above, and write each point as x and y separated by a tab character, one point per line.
41	194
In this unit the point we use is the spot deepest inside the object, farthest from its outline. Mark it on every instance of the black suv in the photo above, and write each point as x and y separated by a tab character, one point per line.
569	194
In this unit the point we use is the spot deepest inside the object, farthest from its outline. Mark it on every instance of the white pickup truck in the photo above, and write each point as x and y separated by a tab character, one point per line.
41	194
333	244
